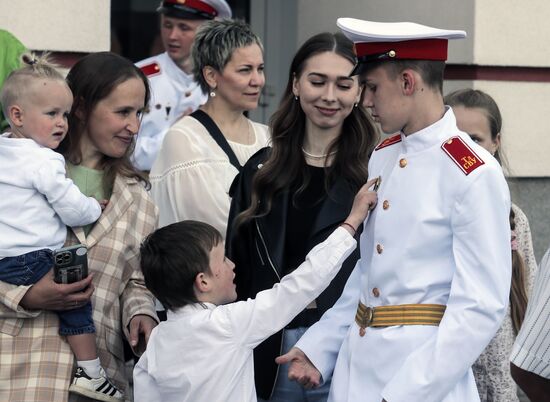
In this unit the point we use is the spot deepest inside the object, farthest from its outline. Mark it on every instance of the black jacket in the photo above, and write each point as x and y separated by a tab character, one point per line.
257	249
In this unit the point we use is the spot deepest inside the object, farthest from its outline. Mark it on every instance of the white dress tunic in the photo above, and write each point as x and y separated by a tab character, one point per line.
439	234
173	94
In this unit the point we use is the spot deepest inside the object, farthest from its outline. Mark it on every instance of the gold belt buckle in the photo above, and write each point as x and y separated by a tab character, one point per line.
366	320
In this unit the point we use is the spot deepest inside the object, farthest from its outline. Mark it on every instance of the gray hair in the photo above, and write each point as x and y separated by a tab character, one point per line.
215	42
17	84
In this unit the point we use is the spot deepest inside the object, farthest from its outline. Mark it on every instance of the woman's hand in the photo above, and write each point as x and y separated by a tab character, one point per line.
364	201
49	295
103	204
140	328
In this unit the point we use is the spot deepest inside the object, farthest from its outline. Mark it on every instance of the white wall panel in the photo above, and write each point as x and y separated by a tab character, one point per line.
58	25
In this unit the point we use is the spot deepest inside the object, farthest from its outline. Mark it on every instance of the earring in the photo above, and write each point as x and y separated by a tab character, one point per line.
295	97
355	104
212	94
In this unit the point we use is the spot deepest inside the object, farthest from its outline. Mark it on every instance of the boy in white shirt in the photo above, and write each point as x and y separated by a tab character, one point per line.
203	352
38	202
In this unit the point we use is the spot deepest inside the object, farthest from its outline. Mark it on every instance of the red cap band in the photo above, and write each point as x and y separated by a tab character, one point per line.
196	4
418	49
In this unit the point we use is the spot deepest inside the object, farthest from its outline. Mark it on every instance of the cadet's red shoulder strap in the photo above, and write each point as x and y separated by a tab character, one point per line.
394	139
150	69
461	154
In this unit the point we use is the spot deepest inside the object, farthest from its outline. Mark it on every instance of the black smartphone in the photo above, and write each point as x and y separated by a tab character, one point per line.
70	264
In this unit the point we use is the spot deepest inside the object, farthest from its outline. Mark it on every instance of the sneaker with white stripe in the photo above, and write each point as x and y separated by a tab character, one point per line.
100	388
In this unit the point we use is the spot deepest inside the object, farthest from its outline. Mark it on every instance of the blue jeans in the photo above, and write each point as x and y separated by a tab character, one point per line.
27	269
291	391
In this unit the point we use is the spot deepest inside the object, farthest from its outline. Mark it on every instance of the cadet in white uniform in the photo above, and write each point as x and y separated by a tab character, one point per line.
174	92
432	285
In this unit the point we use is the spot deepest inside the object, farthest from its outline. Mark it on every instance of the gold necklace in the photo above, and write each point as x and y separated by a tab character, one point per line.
312	156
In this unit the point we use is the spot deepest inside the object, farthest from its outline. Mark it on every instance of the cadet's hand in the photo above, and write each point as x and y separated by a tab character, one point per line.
103	204
364	201
49	295
140	328
301	369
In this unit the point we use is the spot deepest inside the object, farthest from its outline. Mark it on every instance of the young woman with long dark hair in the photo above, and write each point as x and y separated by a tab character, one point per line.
290	196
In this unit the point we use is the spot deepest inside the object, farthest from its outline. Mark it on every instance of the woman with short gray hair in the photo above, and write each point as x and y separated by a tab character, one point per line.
203	152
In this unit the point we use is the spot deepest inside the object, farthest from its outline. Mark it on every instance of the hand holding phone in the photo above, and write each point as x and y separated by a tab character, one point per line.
70	264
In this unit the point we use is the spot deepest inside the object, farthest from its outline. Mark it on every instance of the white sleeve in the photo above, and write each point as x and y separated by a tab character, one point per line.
478	297
145	387
322	341
73	207
531	350
254	320
148	144
194	184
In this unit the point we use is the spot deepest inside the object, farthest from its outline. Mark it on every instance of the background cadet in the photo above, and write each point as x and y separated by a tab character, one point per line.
174	91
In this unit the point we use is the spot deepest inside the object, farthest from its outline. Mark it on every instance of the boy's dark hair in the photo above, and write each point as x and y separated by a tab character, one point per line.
173	256
431	71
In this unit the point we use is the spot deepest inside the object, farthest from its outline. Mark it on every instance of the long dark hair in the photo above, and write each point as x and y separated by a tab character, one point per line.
286	161
91	80
476	99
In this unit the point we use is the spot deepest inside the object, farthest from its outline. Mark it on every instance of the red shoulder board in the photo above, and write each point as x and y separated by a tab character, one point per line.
389	141
461	154
150	69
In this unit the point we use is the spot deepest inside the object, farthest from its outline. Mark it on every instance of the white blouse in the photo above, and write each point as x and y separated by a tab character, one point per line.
191	176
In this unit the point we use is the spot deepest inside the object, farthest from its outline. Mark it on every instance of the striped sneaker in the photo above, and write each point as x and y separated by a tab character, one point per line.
100	388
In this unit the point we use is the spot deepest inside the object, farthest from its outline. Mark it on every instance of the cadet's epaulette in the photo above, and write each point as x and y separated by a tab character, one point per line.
150	69
461	154
389	141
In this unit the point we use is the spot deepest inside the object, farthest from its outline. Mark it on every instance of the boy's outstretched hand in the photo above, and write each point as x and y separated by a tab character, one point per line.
301	369
364	201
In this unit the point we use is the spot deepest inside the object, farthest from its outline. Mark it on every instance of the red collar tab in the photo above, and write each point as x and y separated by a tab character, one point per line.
417	49
389	141
196	4
461	154
150	69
